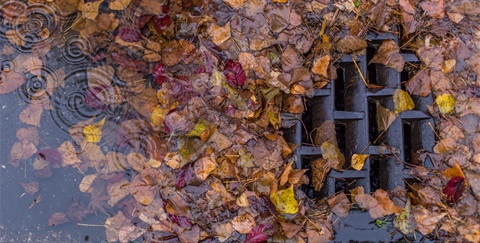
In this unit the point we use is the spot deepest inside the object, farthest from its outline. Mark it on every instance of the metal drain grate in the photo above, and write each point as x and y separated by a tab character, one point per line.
352	106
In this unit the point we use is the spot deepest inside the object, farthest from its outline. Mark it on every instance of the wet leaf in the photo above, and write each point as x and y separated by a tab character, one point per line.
433	8
350	44
93	133
420	83
402	101
32	114
332	153
339	204
426	219
10	81
454	189
358	160
234	73
284	200
320	66
384	117
119	4
86	183
219	34
235	3
204	166
446	103
30	187
257	234
389	55
224	231
404	221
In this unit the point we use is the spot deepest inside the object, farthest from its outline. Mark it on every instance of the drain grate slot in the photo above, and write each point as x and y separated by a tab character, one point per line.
352	107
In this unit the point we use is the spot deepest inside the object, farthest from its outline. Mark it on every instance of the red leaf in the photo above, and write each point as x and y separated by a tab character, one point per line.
181	221
129	34
161	22
234	73
454	189
132	64
257	234
91	97
159	74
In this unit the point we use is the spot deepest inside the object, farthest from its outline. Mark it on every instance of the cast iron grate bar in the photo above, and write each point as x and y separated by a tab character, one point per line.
351	105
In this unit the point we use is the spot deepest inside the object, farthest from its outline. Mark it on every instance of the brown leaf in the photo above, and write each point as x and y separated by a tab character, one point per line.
285	175
320	168
30	187
325	133
224	231
290	59
243	223
10	81
389	55
320	66
21	151
32	114
350	44
290	228
420	83
426	219
433	8
339	204
384	117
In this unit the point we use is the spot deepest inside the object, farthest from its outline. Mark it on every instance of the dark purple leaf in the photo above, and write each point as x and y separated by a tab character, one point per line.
128	63
92	100
184	177
52	156
257	234
181	221
129	34
454	189
234	73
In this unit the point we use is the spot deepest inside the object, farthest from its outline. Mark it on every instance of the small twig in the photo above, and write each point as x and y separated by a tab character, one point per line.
91	225
360	72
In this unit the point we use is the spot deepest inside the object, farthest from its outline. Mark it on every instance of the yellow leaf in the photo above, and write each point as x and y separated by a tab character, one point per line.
446	103
93	133
332	153
358	160
158	116
285	201
402	101
90	9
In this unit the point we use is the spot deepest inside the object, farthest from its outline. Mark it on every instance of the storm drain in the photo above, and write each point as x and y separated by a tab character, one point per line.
352	106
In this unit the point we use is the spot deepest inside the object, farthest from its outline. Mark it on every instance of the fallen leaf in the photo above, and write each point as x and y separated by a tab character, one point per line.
404	220
93	132
433	8
224	231
32	114
284	200
350	44
454	189
339	204
204	166
244	223
235	4
257	234
69	154
384	117
320	66
358	160
332	153
402	101
389	55
119	4
446	103
426	219
10	81
30	187
21	151
219	34
86	183
89	10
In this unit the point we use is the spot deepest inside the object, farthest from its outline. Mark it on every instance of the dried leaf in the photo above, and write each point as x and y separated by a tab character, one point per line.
350	44
243	223
384	117
219	34
320	66
339	204
257	234
332	153
389	55
224	231
204	166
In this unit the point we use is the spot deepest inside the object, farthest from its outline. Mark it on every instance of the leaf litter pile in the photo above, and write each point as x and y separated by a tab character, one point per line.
204	87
